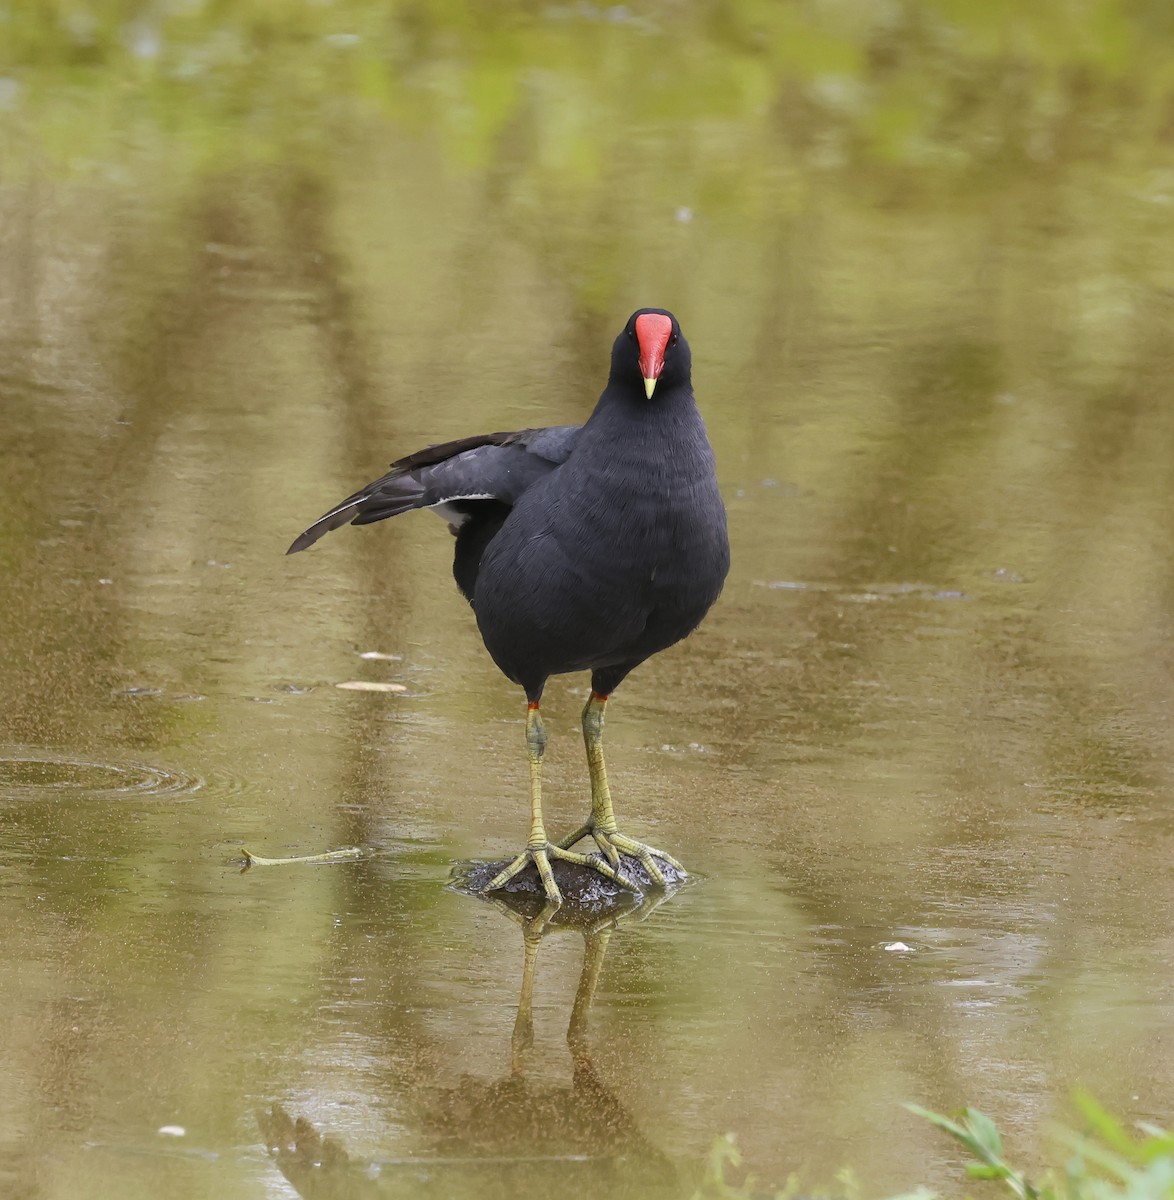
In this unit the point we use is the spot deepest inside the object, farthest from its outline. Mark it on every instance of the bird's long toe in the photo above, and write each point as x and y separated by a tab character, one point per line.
538	856
613	844
541	857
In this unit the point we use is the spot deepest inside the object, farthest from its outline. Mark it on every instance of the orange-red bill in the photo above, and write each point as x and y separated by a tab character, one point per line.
653	331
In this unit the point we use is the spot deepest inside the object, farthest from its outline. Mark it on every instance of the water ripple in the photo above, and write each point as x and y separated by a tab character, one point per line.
27	774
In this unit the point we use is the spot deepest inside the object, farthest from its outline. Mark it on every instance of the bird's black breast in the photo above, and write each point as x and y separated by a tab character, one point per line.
615	556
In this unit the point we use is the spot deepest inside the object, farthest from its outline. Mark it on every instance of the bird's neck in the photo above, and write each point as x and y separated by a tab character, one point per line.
628	403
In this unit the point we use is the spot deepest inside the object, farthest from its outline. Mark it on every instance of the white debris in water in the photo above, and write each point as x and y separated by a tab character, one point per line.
369	685
172	1131
899	948
379	656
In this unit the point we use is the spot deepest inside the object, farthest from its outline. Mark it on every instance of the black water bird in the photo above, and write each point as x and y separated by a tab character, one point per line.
580	547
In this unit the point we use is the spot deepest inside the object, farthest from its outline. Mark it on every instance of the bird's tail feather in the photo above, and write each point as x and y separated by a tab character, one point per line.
376	503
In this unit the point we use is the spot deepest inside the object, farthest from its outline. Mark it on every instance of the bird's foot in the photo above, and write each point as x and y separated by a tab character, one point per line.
613	843
540	856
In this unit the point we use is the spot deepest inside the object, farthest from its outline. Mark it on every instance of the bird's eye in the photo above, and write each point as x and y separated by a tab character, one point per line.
673	340
631	336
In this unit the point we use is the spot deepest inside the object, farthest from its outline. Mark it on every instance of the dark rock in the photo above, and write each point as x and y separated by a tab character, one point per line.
586	893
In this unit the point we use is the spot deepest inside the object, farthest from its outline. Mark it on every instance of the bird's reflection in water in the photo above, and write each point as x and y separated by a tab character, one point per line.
508	1136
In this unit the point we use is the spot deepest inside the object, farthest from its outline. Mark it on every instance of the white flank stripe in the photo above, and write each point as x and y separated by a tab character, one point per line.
446	512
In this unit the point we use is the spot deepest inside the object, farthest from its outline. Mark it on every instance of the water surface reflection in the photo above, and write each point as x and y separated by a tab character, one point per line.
531	1136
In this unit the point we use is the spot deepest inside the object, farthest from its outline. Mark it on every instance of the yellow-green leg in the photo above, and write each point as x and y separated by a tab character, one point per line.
538	849
601	825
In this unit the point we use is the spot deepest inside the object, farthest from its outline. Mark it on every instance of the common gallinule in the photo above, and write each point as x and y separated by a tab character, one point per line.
581	548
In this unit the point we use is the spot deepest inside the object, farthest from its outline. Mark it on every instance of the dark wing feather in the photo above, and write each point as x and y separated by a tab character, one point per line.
439	451
492	466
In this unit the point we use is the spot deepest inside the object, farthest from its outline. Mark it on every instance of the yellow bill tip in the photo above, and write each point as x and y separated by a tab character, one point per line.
649	387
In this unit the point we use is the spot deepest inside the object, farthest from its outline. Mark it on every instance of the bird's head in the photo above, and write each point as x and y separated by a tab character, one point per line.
651	348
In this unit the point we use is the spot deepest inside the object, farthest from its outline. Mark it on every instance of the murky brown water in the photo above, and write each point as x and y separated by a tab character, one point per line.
927	273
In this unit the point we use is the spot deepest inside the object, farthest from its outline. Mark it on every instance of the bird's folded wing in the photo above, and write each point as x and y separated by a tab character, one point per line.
492	466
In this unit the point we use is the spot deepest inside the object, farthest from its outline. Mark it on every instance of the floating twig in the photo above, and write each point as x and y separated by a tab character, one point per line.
347	855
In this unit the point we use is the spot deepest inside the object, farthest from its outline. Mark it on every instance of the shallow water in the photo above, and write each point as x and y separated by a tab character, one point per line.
925	267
